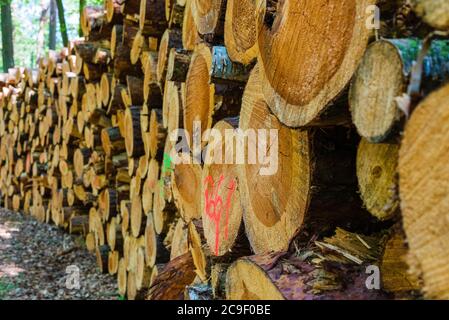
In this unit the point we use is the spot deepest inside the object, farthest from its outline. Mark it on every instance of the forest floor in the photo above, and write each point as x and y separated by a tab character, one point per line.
41	262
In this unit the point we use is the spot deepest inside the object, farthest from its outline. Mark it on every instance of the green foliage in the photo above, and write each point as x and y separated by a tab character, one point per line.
5	287
26	15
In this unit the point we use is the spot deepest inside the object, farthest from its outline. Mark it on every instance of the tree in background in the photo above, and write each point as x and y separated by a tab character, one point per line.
7	39
62	23
41	33
52	26
82	5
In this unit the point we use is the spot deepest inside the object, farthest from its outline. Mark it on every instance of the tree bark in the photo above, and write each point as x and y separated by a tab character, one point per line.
62	23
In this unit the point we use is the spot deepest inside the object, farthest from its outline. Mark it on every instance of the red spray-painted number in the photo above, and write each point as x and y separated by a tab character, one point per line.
214	206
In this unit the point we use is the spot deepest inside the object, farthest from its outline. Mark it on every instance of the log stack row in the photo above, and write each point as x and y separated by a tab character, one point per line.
110	138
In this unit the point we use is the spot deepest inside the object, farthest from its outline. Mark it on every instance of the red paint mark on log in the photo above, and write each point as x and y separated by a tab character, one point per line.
214	205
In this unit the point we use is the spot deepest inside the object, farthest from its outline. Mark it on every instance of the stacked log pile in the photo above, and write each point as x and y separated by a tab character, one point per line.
90	142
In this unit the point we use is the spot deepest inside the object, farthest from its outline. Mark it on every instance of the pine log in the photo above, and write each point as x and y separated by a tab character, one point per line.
222	224
240	32
172	280
190	36
279	205
433	12
133	133
186	185
423	185
378	179
209	16
170	39
383	77
152	17
265	277
305	66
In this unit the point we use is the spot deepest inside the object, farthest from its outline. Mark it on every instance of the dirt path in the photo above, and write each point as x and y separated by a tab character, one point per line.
39	261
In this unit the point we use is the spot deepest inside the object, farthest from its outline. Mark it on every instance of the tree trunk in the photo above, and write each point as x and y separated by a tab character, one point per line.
82	4
62	23
52	26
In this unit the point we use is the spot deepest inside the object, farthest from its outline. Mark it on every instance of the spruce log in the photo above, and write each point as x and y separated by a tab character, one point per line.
265	277
222	224
190	36
378	179
279	204
308	52
433	12
424	190
383	76
240	32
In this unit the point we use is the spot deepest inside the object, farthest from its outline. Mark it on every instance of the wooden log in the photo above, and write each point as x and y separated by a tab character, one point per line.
151	89
186	185
114	11
378	179
178	65
112	141
435	13
274	215
133	133
202	94
180	241
423	205
383	78
190	36
394	269
172	280
209	18
158	135
172	38
155	251
240	32
164	212
152	17
264	277
316	75
223	225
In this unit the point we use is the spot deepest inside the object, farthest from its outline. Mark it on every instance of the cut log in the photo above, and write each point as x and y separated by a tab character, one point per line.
209	16
190	36
265	277
424	188
396	277
274	215
133	132
186	185
308	52
172	280
240	32
381	82
223	224
170	39
155	250
433	12
152	17
378	178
